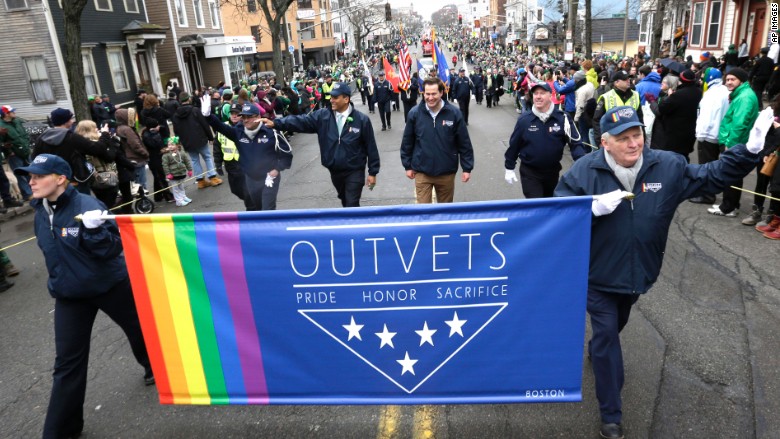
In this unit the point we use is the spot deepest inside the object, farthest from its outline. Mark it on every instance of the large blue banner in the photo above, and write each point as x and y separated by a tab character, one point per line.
456	303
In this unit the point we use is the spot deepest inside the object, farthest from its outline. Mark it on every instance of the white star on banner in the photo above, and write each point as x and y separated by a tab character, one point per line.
407	363
354	330
386	337
426	335
456	326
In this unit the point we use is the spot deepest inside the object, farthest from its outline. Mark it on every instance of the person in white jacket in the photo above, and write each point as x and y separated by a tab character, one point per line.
582	95
712	108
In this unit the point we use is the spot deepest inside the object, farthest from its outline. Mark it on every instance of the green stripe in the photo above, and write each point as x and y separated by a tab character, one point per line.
186	243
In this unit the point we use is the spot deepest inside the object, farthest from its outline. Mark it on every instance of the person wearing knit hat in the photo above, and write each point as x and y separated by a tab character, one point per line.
705	56
735	130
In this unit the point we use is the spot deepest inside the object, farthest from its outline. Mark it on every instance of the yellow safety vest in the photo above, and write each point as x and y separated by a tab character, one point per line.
326	89
229	150
612	100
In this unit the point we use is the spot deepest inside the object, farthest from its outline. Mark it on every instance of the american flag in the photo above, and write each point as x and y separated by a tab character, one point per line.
404	64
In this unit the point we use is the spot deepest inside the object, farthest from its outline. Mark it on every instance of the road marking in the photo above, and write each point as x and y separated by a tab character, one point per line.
389	419
424	420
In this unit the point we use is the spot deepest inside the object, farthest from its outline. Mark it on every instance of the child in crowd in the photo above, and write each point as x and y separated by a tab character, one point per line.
177	167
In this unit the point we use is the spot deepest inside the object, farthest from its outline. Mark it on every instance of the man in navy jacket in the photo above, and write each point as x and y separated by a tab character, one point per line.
435	139
87	273
636	192
347	145
538	140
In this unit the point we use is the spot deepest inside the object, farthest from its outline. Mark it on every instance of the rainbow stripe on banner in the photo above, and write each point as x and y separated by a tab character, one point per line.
172	263
417	304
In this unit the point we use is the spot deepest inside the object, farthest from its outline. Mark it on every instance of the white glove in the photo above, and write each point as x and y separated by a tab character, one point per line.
605	204
510	176
758	133
205	105
269	180
92	219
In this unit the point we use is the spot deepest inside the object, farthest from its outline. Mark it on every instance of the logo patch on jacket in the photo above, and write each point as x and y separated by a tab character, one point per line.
651	187
72	231
263	140
447	123
353	130
555	128
243	140
533	128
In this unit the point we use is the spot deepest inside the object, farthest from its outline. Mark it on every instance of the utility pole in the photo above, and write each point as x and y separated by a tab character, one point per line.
625	30
571	24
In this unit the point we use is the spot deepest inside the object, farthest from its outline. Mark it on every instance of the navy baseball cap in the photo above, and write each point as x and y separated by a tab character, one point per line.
340	88
236	108
619	119
45	164
250	110
543	85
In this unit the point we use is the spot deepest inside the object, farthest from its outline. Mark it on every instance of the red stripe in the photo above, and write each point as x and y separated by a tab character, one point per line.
143	305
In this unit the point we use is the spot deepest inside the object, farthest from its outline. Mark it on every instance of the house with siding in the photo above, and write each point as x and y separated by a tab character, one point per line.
33	81
608	36
710	25
199	53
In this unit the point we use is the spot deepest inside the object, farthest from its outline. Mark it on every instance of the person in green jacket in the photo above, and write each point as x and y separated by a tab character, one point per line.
16	146
735	130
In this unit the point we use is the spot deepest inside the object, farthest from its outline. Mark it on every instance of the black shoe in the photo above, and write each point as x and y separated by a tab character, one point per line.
148	377
389	126
12	203
702	200
384	129
611	431
5	285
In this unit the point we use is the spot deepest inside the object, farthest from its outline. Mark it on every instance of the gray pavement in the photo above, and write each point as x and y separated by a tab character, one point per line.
701	347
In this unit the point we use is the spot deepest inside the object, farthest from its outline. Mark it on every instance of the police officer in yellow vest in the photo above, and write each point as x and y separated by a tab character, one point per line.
230	159
327	86
620	95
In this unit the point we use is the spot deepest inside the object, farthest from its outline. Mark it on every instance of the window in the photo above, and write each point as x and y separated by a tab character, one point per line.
255	30
214	14
305	4
89	72
251	5
696	26
181	13
198	8
237	69
103	5
131	6
116	63
644	28
16	4
337	27
307	30
713	30
39	79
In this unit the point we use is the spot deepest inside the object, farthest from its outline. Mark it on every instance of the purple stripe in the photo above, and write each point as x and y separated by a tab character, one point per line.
232	263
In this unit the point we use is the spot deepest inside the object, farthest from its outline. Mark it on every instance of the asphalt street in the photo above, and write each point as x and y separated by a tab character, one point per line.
701	348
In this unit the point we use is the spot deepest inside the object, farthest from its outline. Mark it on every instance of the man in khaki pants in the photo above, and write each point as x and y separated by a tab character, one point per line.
435	141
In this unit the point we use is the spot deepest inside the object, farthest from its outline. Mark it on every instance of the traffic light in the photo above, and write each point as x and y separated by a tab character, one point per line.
388	12
460	19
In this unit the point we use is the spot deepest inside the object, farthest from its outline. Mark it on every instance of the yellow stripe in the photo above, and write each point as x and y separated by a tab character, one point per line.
178	297
389	420
424	420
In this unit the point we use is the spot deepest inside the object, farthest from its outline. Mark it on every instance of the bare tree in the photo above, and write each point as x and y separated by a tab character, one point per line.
364	21
71	11
273	12
588	29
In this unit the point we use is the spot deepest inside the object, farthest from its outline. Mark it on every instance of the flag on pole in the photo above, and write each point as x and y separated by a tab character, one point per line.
391	75
404	66
367	73
421	74
433	52
441	63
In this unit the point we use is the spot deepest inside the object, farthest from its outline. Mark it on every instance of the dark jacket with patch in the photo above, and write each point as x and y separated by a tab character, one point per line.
540	145
81	262
351	149
257	156
627	246
434	147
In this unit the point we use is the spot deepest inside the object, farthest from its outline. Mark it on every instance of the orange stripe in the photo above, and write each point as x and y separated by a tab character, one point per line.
143	305
163	317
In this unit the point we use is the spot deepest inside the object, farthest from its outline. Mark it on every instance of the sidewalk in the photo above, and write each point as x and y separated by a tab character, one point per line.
14	212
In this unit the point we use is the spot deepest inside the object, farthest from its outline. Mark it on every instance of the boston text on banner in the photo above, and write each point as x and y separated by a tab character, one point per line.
457	303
